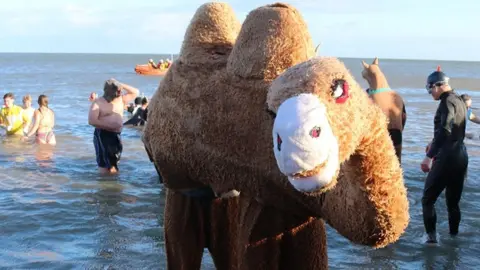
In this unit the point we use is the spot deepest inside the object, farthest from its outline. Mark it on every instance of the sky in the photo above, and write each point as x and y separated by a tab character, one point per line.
406	29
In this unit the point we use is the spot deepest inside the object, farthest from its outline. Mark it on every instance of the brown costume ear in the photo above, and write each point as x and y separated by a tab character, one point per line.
365	65
210	35
375	61
272	38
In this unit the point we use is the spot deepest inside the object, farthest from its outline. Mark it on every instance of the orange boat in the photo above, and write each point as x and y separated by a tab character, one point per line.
149	71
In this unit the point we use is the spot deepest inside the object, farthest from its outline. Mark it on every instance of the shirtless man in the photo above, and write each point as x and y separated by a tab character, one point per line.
106	115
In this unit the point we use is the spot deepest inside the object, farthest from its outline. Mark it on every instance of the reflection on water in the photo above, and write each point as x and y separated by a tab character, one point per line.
57	212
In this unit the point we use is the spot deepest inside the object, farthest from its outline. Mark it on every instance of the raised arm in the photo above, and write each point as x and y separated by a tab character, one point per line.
131	94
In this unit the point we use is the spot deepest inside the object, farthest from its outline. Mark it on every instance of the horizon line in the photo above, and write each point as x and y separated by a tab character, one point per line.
176	54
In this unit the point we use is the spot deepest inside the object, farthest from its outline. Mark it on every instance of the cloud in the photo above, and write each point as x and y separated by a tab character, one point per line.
82	16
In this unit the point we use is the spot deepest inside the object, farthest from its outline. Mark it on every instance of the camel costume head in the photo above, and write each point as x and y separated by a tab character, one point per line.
212	120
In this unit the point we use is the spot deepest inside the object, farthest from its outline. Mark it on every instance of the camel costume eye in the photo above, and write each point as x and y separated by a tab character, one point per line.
340	91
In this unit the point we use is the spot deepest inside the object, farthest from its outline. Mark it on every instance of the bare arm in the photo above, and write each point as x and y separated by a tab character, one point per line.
474	118
131	94
53	118
33	129
93	119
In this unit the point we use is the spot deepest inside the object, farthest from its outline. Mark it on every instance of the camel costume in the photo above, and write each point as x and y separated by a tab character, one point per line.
210	132
388	100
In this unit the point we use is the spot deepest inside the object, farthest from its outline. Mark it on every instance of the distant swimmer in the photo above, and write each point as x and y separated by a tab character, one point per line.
106	115
449	169
44	121
12	118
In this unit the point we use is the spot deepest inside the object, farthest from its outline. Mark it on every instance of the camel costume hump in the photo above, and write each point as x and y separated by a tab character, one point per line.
173	130
235	133
326	126
272	38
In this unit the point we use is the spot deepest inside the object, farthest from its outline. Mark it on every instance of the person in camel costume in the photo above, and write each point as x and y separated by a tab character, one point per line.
209	135
388	100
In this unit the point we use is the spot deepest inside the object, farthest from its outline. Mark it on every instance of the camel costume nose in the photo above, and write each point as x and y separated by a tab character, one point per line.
304	145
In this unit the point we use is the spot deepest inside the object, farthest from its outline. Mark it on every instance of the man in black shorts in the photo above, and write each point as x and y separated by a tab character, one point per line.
106	115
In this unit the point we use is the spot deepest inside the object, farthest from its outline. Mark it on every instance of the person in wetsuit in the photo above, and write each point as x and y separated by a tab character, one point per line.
449	169
140	116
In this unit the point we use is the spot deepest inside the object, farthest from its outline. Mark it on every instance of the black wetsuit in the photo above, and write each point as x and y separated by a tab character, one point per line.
451	161
139	118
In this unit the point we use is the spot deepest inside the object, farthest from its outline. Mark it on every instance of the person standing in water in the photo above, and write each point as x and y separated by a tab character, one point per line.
12	117
106	115
470	115
28	111
43	123
451	158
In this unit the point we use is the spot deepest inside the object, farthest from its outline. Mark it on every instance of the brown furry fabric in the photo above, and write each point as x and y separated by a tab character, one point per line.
266	49
208	126
390	102
369	204
210	35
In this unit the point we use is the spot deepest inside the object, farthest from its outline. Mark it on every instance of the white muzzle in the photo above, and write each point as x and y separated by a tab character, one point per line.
303	142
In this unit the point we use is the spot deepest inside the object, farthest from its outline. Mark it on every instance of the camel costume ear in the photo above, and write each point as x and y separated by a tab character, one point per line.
208	42
272	38
325	123
365	65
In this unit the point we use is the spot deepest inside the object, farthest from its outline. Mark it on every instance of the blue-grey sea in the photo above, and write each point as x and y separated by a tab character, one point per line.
57	212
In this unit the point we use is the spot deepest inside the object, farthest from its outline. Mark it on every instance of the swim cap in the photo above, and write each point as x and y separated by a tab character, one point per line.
437	77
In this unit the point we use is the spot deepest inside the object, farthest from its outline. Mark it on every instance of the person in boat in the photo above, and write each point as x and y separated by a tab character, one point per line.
139	118
44	121
106	116
29	111
161	64
168	63
12	118
450	154
151	63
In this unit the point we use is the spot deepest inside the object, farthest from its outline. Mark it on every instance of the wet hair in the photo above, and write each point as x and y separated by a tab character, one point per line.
465	97
27	98
9	95
43	100
144	101
111	90
138	101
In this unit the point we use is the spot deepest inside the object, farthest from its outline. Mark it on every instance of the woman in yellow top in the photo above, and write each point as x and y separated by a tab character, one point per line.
12	117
